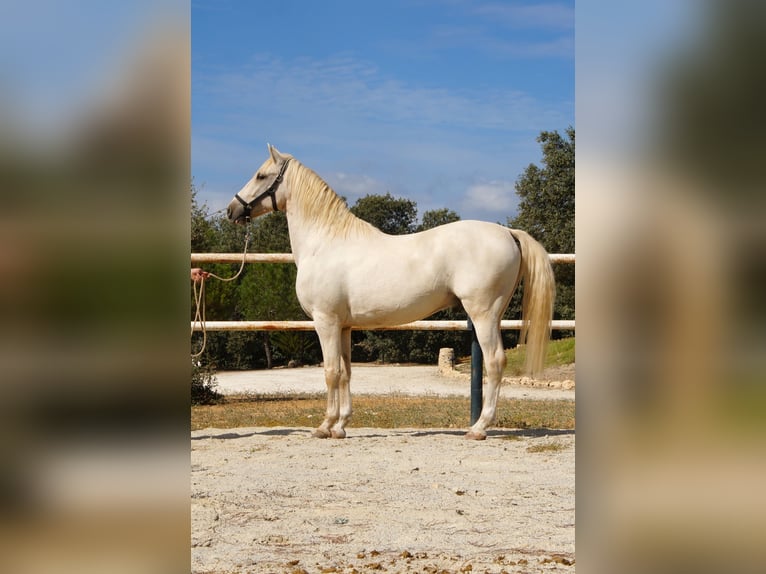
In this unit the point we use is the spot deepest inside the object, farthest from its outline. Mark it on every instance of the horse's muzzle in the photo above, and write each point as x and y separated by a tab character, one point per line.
235	213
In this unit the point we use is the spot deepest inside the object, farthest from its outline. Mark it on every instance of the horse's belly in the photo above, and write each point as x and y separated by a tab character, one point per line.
380	309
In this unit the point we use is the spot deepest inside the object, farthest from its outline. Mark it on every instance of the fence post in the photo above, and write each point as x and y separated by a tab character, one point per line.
477	365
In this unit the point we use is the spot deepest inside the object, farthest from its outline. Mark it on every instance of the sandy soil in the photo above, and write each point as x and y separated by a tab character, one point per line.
276	500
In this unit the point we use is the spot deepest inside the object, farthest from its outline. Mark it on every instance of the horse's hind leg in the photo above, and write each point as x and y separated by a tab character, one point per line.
330	340
491	342
344	386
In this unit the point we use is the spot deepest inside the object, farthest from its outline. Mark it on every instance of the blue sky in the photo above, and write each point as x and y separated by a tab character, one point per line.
436	101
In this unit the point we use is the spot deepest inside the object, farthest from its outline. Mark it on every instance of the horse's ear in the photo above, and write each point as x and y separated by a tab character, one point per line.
274	152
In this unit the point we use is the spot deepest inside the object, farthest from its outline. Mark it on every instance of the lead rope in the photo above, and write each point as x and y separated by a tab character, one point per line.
199	298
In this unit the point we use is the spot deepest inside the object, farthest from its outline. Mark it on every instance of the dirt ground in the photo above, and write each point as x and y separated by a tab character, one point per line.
401	500
555	383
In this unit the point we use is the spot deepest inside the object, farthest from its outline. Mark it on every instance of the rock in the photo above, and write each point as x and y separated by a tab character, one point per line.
446	361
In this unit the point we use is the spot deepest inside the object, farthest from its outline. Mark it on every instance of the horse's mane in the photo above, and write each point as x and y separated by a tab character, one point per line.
319	204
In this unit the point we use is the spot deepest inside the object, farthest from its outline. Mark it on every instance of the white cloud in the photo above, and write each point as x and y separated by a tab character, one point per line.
354	186
335	93
491	197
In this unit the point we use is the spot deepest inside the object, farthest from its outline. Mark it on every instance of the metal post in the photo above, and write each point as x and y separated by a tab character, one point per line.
477	363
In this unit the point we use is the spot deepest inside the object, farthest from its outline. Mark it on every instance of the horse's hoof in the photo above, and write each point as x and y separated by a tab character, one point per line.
338	433
320	433
476	435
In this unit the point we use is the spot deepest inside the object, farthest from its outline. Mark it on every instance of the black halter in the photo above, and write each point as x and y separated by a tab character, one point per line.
271	191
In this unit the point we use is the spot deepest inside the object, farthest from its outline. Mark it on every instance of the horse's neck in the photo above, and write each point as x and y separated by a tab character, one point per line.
302	235
310	230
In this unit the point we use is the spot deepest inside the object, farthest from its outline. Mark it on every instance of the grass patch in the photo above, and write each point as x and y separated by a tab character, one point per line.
546	447
560	352
386	411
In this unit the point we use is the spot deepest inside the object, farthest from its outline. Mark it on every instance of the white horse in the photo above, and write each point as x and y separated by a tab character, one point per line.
352	275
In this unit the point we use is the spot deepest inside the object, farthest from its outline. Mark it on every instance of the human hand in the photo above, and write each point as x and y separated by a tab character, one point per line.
197	274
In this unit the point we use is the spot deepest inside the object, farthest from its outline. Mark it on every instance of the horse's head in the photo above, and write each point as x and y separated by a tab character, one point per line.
263	193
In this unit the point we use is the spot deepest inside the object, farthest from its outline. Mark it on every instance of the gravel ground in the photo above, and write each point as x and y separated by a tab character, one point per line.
393	500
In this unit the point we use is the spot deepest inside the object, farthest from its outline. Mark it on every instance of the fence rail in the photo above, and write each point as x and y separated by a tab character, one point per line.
197	258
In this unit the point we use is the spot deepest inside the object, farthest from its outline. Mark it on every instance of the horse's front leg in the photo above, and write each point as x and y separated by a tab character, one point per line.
330	340
344	386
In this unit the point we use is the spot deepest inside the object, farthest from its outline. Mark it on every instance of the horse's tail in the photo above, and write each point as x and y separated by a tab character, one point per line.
537	302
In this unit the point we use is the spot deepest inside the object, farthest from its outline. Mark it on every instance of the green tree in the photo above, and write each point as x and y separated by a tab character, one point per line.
392	215
201	230
546	211
261	292
437	217
270	234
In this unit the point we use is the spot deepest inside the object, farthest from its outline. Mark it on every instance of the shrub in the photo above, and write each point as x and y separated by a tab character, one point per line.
203	383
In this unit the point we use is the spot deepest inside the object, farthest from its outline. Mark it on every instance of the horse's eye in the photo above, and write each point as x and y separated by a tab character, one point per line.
260	176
